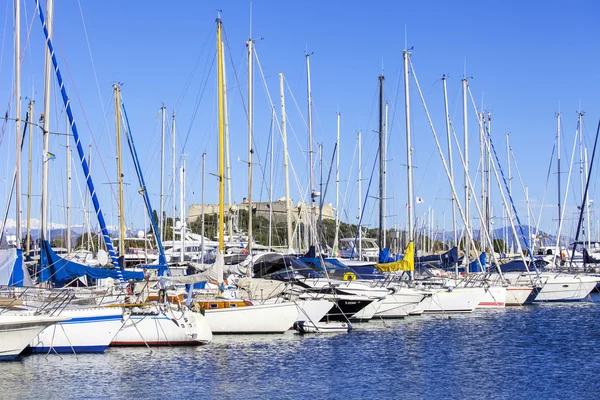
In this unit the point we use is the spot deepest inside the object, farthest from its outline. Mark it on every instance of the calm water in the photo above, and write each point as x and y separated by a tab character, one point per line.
547	351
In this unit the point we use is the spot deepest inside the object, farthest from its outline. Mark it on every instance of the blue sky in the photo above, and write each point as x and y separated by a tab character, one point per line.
527	62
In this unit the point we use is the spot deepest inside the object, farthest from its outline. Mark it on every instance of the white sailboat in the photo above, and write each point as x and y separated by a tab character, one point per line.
17	331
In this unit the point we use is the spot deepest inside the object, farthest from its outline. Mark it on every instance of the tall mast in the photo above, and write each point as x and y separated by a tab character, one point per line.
221	139
449	134
384	155
227	157
482	224
69	239
90	243
558	165
120	171
46	125
337	189
29	173
161	222
173	175
250	45
488	178
466	156
359	138
310	153
182	208
271	178
381	243
288	209
202	217
509	211
588	232
19	136
408	152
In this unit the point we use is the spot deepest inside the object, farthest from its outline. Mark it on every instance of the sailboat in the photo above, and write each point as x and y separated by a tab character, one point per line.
195	327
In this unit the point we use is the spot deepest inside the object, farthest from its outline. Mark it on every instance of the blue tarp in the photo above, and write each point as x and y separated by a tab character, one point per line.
476	266
13	271
385	256
61	271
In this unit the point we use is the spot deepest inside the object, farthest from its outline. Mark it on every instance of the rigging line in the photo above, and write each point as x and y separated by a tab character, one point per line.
587	185
362	212
87	40
86	118
12	94
187	84
537	227
521	181
6	13
235	74
196	107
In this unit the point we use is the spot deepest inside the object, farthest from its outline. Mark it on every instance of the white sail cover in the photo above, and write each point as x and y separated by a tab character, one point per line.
13	270
214	273
261	289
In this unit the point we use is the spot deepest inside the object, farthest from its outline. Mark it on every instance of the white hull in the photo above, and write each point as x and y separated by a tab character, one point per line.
17	331
494	297
451	301
265	318
165	328
368	312
564	287
400	303
312	310
88	331
517	295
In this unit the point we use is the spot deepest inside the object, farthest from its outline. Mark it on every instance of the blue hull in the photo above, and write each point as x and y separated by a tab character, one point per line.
68	349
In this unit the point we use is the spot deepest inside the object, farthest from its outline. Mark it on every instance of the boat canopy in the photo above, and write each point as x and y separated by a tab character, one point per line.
61	271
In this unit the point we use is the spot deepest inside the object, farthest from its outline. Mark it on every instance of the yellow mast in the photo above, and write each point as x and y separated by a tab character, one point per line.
221	135
120	171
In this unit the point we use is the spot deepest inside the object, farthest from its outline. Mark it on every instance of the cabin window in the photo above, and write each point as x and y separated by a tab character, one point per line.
213	305
232	305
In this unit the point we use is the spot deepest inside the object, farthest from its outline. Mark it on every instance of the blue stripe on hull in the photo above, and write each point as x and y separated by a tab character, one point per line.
93	319
8	358
69	349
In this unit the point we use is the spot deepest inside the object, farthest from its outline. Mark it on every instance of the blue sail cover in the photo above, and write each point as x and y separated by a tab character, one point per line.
13	271
62	271
476	266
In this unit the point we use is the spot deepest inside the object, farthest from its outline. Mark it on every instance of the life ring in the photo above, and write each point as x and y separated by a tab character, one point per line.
349	276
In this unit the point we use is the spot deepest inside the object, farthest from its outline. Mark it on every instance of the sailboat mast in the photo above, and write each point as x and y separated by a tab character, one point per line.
310	153
271	177
173	175
359	138
558	166
380	240
509	211
408	152
384	155
69	239
588	232
202	216
221	140
337	189
29	176
182	208
120	171
466	157
250	45
449	137
46	124
19	134
227	159
288	209
161	222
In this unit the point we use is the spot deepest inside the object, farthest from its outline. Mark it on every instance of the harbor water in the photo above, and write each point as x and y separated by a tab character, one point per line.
542	351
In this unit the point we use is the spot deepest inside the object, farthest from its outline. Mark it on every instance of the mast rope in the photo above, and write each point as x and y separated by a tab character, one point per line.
84	164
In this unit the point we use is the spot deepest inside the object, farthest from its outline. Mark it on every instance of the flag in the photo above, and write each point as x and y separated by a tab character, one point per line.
419	200
50	156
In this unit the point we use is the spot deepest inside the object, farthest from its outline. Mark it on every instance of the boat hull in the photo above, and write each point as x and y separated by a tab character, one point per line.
17	331
494	297
263	318
88	331
163	328
563	287
399	304
459	300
